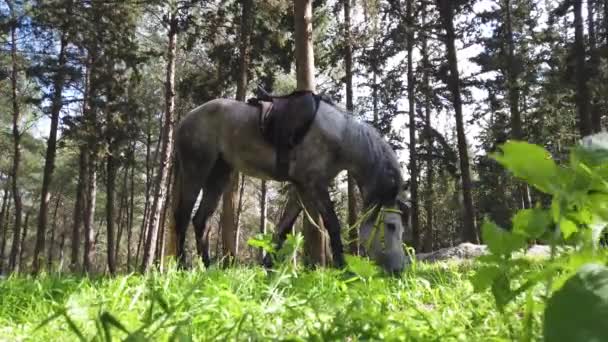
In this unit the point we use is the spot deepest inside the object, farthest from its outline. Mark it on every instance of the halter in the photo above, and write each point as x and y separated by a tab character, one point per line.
378	224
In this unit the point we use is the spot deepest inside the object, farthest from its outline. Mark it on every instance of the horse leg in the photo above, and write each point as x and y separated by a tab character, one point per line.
212	192
189	187
318	196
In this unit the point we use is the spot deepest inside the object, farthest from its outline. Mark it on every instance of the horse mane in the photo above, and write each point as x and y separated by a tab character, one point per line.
381	166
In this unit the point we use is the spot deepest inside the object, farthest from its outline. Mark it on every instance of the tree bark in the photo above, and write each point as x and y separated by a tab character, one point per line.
263	212
412	128
78	209
131	210
123	214
91	153
305	62
512	76
428	197
110	192
166	149
314	239
582	90
89	216
22	241
596	109
49	256
239	209
4	220
348	65
51	150
13	263
228	217
469	231
606	22
61	249
144	225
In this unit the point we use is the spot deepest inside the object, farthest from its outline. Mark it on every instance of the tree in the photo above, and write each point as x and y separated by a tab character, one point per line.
160	192
13	264
229	221
56	105
412	126
582	89
446	13
315	240
348	65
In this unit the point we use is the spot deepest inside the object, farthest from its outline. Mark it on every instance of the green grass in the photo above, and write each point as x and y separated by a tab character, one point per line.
427	303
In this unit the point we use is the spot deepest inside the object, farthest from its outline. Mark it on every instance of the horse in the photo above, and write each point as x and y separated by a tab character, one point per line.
223	136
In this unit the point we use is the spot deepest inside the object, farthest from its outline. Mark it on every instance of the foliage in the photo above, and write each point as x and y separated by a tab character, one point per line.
573	224
430	302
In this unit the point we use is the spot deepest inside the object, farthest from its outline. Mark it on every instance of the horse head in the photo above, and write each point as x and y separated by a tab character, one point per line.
381	233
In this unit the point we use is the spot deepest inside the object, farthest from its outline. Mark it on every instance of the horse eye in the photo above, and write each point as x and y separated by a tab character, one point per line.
391	227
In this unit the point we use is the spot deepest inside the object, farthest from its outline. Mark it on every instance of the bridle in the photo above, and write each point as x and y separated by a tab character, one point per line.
378	227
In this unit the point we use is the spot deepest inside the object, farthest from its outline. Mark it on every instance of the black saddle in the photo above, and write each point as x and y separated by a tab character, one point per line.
285	122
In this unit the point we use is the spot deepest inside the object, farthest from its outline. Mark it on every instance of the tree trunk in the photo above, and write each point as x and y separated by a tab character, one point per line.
162	181
89	216
22	242
110	192
49	164
239	209
596	109
606	22
131	211
4	220
79	208
428	198
469	231
123	210
348	65
49	256
263	212
14	254
582	90
412	128
229	224
61	249
305	62
314	239
512	76
144	225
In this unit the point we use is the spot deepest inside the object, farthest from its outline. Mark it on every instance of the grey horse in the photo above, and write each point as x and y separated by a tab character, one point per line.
223	136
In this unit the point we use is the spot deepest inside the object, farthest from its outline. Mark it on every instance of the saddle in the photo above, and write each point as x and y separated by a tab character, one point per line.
284	121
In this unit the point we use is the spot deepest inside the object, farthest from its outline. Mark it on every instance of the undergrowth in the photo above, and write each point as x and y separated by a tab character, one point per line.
427	303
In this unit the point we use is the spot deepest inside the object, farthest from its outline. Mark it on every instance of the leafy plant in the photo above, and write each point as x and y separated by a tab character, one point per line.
573	226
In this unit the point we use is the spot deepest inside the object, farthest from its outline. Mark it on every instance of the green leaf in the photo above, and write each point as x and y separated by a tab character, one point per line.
263	241
502	292
484	277
567	228
578	311
531	163
531	223
361	267
598	203
500	241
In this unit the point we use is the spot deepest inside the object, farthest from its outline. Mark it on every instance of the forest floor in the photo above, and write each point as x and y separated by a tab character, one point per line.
429	301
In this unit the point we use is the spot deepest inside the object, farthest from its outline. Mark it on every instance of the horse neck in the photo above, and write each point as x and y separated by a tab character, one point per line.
362	159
